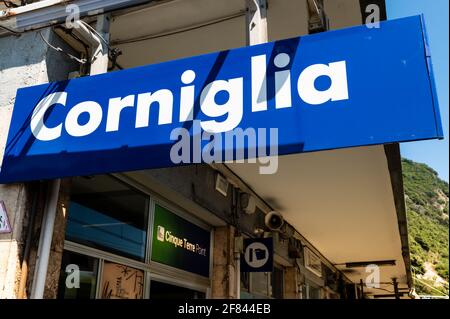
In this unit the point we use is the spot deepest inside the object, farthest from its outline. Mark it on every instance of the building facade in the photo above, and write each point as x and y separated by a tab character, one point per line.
178	232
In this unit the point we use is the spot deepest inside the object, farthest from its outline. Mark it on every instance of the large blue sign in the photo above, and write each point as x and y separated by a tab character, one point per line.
345	88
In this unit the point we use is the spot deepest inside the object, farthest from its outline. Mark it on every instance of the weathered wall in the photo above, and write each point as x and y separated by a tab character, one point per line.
224	264
197	183
291	283
24	61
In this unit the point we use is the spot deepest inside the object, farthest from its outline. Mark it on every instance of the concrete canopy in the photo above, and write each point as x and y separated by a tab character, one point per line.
342	201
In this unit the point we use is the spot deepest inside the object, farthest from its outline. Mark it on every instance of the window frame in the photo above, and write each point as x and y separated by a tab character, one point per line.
148	220
152	270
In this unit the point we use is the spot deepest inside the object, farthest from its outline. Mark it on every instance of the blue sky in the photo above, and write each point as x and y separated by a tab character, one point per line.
433	153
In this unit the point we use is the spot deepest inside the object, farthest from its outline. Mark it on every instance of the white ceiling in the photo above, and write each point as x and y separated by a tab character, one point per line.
166	16
340	200
173	17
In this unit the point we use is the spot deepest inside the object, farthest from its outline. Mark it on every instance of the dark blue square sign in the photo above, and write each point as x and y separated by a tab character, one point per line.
258	255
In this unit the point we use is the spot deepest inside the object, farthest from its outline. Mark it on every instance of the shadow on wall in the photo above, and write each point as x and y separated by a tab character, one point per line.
29	49
59	65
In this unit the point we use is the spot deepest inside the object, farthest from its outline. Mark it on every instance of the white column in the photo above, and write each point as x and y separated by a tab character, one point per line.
45	240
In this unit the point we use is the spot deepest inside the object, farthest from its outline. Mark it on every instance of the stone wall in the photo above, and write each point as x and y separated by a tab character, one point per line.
224	266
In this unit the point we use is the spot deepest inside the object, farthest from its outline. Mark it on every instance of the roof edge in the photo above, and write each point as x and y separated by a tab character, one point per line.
394	162
396	173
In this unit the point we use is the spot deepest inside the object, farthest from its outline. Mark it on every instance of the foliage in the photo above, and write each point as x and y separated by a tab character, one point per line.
428	226
425	287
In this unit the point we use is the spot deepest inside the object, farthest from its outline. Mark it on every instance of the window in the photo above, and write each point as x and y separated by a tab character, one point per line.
310	291
263	284
304	292
312	262
78	276
107	214
121	282
109	220
314	292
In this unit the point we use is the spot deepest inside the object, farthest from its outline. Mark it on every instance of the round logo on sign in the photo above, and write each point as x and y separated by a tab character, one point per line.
256	255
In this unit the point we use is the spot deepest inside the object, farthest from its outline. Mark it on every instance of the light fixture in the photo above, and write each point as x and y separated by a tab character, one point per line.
274	220
258	231
248	203
222	184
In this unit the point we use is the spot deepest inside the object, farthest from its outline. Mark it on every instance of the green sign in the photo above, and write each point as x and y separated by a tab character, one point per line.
179	243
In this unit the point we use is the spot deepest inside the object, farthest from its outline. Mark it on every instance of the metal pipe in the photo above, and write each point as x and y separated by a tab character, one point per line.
237	253
396	290
45	241
361	287
24	268
237	260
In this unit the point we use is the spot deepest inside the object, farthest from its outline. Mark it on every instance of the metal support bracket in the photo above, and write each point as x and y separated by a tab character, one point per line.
256	20
317	20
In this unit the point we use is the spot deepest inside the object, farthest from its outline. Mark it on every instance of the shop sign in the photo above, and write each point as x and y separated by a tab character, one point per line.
258	255
180	243
346	88
5	227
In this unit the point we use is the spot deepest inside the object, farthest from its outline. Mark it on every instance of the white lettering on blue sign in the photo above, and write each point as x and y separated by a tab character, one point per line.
299	95
232	108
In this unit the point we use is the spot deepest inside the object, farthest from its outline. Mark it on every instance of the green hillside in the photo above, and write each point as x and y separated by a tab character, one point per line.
428	225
